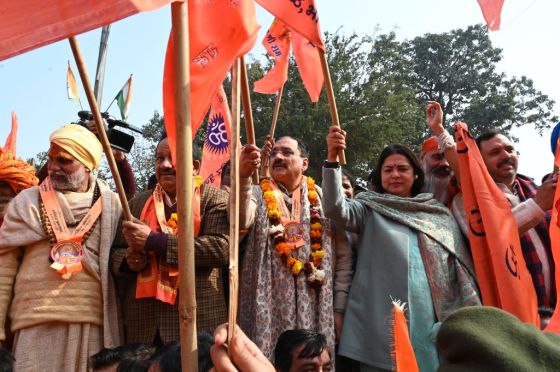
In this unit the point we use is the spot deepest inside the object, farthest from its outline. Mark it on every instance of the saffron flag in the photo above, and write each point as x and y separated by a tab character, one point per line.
10	145
216	149
491	10
123	98
219	33
278	45
402	354
503	277
309	65
31	24
299	15
71	85
554	232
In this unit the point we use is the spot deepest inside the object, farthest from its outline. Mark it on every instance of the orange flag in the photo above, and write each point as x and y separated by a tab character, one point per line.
309	66
491	10
219	32
10	144
278	45
216	150
503	277
554	231
402	352
300	16
30	24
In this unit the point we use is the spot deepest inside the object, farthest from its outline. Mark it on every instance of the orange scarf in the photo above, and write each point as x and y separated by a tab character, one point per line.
160	280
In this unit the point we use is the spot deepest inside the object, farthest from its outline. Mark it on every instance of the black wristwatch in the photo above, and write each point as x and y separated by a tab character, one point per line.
331	164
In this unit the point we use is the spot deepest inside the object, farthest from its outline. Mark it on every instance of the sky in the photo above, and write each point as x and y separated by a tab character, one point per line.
34	84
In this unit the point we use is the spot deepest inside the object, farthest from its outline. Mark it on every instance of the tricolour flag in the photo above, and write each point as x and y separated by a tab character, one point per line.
216	149
219	33
503	277
491	10
278	45
402	352
71	85
124	97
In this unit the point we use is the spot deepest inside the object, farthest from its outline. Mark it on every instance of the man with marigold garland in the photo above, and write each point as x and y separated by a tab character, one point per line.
145	256
286	279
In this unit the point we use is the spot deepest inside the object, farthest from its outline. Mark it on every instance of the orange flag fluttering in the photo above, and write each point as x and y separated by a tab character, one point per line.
309	66
402	352
219	33
554	231
10	144
491	10
503	277
30	24
216	150
278	45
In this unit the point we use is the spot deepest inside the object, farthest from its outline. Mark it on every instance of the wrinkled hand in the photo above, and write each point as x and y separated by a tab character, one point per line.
136	260
338	322
336	141
545	193
249	160
434	117
245	355
136	233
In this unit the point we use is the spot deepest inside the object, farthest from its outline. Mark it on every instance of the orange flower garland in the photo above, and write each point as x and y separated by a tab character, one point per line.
172	221
313	264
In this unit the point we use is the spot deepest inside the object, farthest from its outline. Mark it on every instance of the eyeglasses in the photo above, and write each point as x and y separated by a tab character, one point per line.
285	153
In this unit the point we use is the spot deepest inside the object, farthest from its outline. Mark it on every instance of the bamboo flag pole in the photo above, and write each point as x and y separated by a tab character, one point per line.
184	193
247	110
330	96
234	195
265	160
99	125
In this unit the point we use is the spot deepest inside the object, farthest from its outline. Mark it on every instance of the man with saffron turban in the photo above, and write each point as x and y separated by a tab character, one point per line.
54	260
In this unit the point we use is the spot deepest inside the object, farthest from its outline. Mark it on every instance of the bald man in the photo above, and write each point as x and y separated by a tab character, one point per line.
54	252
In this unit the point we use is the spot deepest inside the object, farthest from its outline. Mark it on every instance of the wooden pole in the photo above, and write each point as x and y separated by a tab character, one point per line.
265	160
184	190
234	195
247	110
99	125
330	96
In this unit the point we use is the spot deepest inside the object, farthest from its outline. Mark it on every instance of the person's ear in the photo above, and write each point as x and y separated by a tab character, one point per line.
196	167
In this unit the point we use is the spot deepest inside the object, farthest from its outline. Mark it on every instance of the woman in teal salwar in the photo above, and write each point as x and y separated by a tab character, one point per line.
410	249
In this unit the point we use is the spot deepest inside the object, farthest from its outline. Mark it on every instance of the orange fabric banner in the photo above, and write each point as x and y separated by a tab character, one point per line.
299	15
278	45
10	145
554	231
491	10
219	33
402	352
503	277
31	24
309	65
216	150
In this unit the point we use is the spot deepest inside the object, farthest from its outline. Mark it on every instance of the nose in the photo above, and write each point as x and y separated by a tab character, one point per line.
166	163
53	166
444	163
395	172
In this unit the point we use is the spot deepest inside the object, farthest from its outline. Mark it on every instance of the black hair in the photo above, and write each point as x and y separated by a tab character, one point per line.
126	355
488	135
313	345
224	170
397	148
348	175
302	146
6	360
196	148
168	357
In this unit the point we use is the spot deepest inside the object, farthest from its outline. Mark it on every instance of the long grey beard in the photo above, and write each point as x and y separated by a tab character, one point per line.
71	183
437	186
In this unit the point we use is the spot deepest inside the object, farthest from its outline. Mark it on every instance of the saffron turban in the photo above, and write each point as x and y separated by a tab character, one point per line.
16	172
430	144
80	143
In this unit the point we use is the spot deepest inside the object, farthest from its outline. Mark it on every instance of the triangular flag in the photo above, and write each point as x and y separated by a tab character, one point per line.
124	96
491	10
309	65
71	86
278	45
219	33
402	352
503	277
10	144
216	149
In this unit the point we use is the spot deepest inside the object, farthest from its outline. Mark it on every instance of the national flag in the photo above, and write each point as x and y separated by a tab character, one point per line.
71	85
554	232
217	144
402	354
10	144
309	65
491	10
278	45
124	97
503	277
219	33
300	16
30	24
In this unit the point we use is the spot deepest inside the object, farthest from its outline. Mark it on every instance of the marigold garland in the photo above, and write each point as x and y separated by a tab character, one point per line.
276	231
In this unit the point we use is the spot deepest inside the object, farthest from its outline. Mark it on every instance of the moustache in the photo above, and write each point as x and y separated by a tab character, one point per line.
442	170
278	163
506	161
167	172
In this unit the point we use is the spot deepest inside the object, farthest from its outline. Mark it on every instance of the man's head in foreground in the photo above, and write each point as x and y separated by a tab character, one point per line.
301	350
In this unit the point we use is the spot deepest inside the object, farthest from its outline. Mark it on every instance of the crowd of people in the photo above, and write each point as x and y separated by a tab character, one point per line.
82	289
